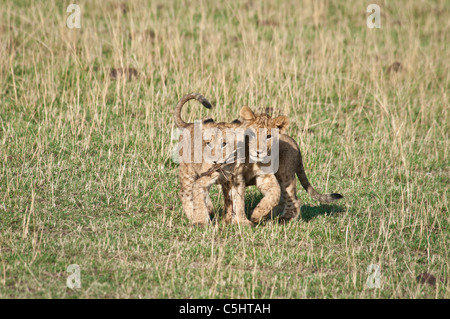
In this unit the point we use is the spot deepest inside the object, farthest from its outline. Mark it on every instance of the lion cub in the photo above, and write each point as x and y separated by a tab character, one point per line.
261	152
208	161
290	164
226	170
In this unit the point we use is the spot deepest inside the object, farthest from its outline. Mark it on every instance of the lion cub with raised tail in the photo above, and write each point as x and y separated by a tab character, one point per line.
208	156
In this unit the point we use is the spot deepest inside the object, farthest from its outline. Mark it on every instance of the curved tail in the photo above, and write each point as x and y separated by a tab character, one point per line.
322	198
177	114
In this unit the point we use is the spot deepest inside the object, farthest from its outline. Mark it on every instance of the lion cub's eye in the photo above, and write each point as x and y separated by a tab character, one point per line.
269	137
209	144
224	144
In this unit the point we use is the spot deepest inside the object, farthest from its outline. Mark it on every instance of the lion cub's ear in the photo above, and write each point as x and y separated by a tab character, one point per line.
282	122
247	114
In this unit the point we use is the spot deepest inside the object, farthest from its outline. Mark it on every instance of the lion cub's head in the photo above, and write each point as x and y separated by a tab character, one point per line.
260	129
220	142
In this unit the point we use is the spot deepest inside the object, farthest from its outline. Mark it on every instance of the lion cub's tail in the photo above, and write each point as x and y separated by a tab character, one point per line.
177	114
323	198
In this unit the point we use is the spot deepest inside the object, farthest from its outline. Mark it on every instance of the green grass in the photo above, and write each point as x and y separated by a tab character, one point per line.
86	175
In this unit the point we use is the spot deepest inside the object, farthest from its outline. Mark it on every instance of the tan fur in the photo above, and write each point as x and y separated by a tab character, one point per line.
291	164
220	173
252	172
279	190
197	178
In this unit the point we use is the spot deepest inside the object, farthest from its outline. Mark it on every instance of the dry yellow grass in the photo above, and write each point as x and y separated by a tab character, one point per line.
86	175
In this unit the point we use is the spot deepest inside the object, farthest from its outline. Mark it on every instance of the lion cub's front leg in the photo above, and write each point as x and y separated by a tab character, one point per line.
187	184
238	201
228	208
234	195
200	193
269	187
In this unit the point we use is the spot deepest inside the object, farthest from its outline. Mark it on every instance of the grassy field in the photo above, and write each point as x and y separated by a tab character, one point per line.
86	175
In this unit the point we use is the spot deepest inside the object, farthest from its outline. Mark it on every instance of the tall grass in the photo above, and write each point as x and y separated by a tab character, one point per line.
86	175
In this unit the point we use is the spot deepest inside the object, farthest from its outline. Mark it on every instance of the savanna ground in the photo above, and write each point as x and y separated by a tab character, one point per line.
86	175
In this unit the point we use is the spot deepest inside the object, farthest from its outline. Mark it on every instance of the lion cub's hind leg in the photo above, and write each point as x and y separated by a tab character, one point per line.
289	198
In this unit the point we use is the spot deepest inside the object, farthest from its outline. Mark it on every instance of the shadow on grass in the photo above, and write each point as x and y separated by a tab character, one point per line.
307	212
310	212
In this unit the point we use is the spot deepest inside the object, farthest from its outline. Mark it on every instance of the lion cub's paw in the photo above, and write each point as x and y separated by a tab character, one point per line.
285	220
246	223
200	224
227	219
256	220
